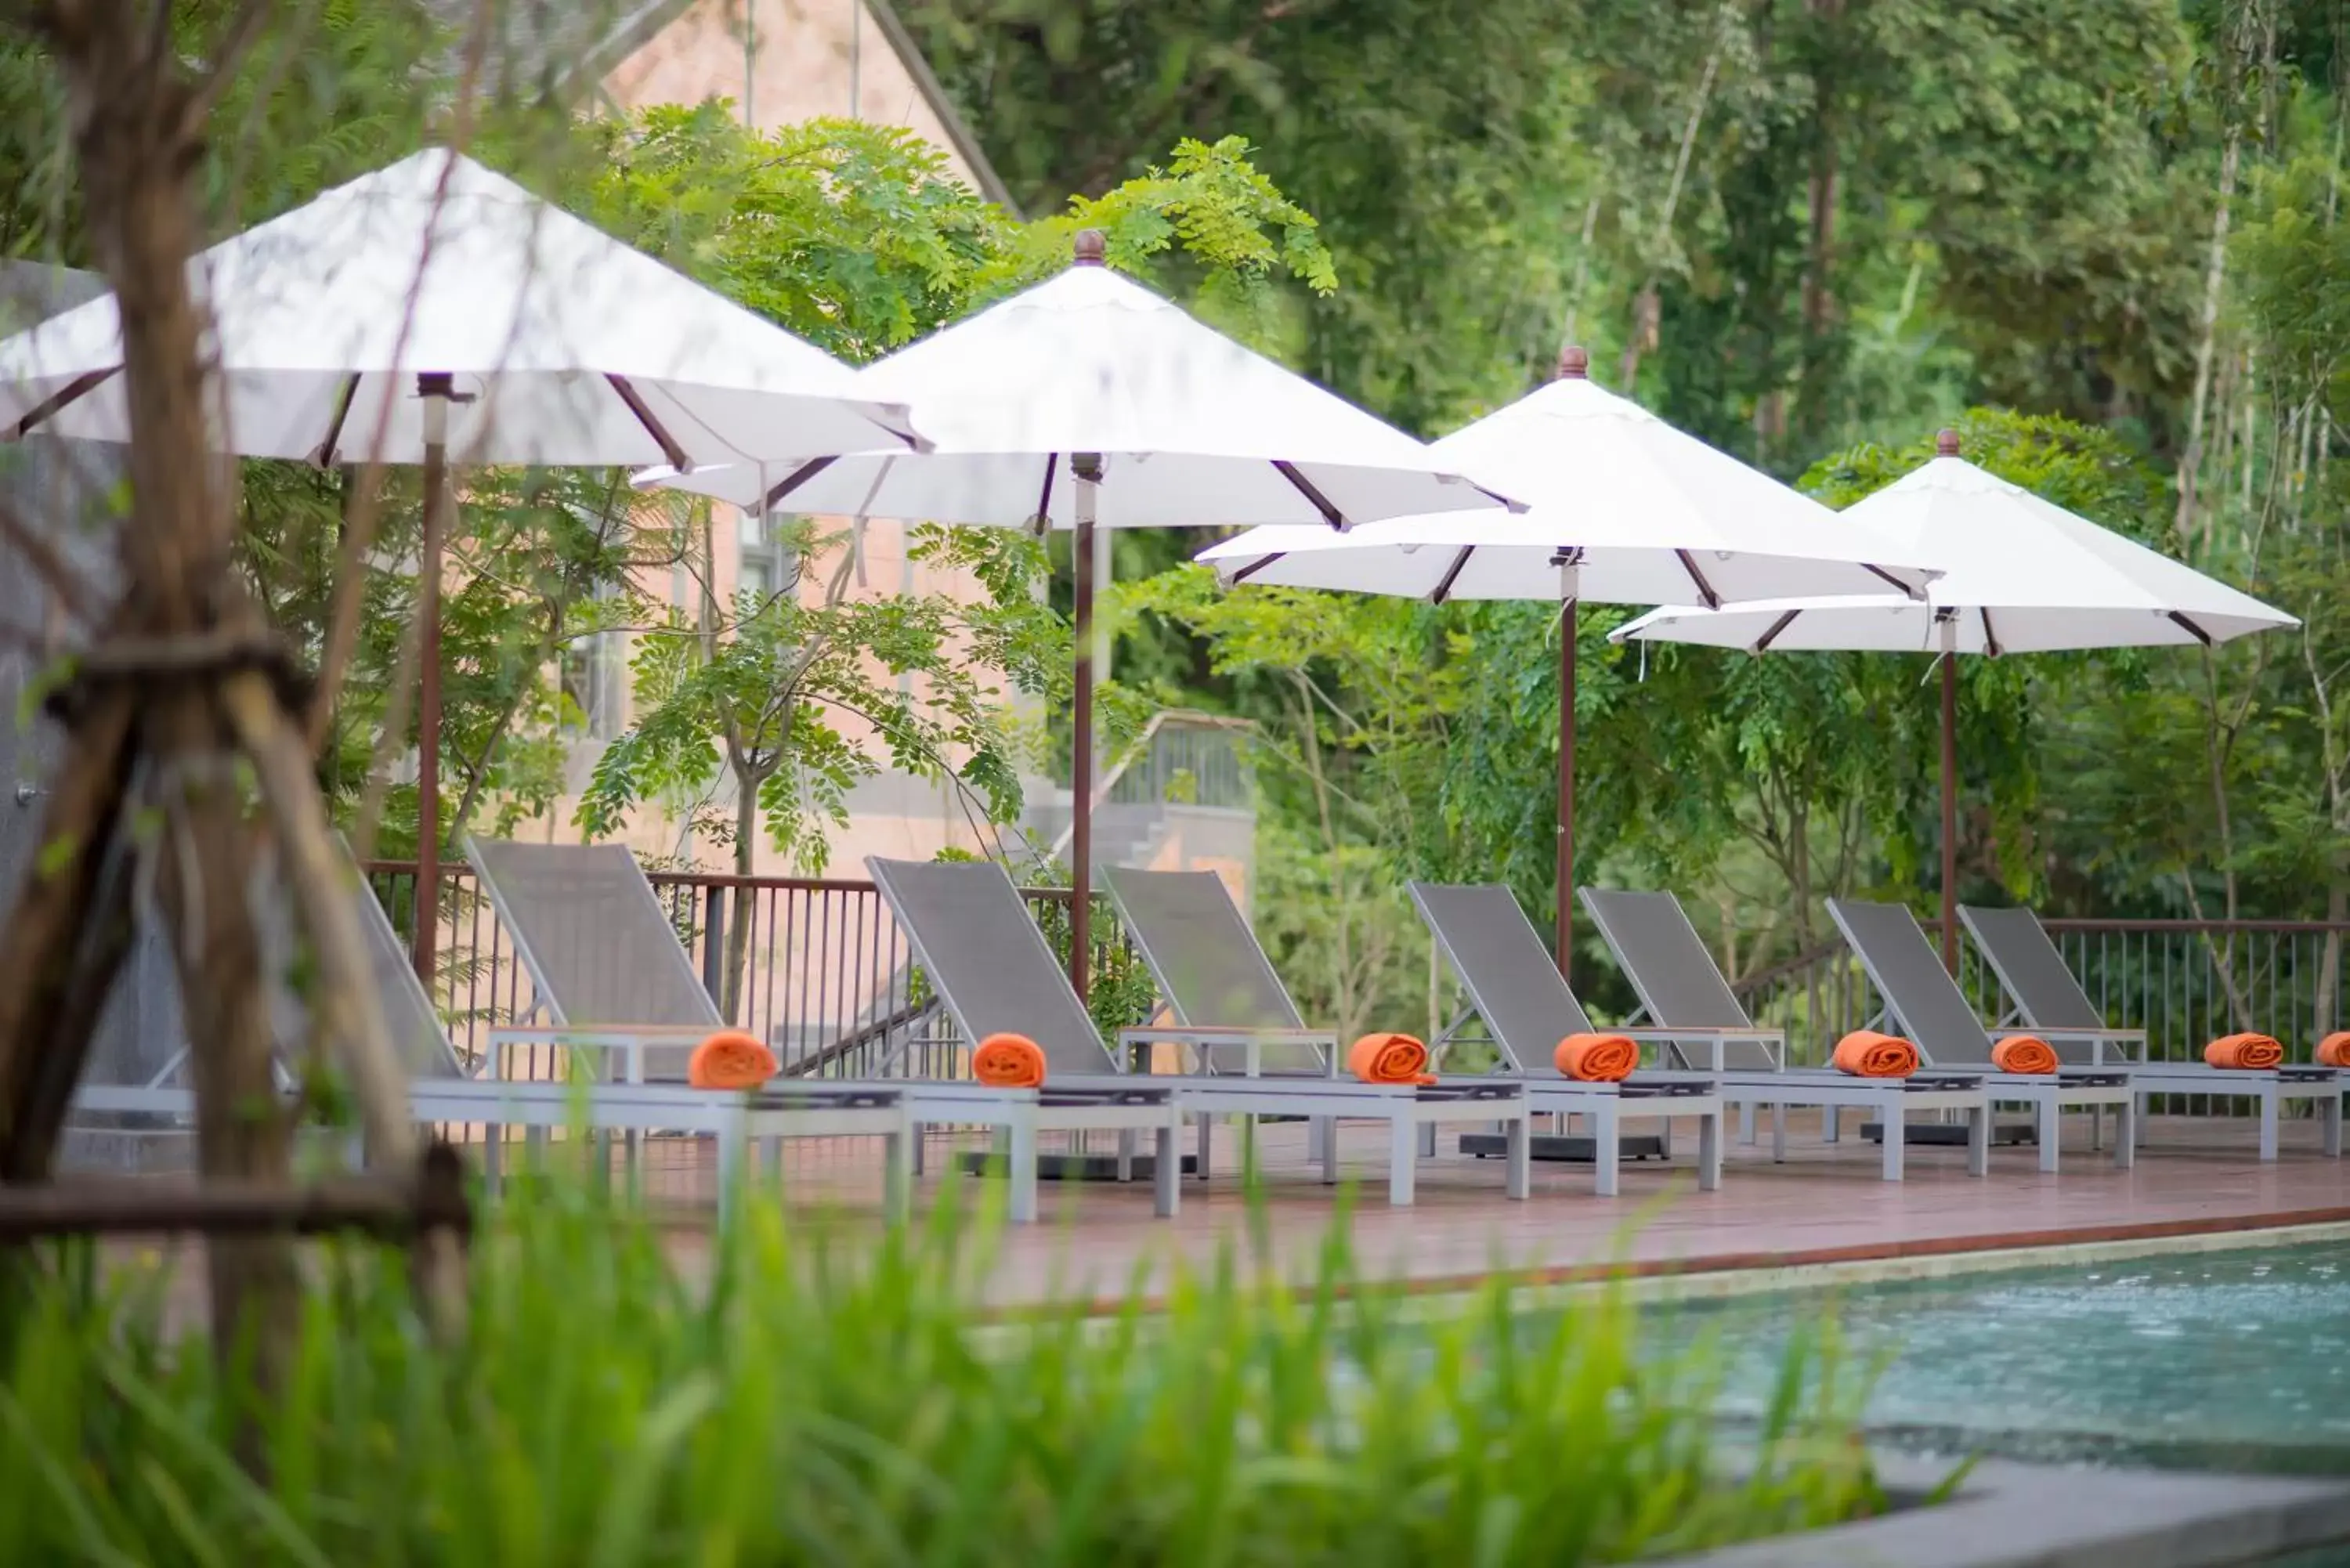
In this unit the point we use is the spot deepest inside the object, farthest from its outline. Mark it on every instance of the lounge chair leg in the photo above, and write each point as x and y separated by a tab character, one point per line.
1126	1155
2096	1128
2140	1120
1427	1140
1167	1170
1521	1134
897	1170
1318	1133
2269	1125
2332	1114
1831	1123
1778	1133
1207	1121
776	1161
1746	1125
730	1169
1606	1148
493	1139
1403	1161
1330	1155
1665	1137
916	1135
1709	1151
1979	1142
1023	1173
1895	1121
2050	1122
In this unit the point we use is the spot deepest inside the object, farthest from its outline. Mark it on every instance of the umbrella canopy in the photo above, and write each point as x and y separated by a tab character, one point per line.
436	309
1089	401
1190	428
1621	508
563	346
2025	575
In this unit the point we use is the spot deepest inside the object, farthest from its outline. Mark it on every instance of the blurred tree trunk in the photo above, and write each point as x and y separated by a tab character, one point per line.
167	717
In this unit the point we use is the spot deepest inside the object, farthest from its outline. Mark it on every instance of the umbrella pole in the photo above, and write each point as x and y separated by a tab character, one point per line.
434	391
1568	621
1087	468
1950	796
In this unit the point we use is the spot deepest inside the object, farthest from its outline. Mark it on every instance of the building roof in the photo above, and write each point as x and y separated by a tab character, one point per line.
554	47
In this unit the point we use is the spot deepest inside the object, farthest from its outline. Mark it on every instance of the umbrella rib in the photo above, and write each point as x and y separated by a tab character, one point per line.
326	455
1907	591
675	453
2196	632
1704	589
1044	496
1330	514
1452	575
1254	567
72	392
1990	639
1763	644
793	481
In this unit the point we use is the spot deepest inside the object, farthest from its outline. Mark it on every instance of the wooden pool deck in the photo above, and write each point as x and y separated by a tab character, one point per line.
1824	1206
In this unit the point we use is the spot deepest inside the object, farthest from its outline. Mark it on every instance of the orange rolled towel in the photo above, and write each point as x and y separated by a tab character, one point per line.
1389	1059
1009	1062
2024	1054
2244	1053
1865	1054
2333	1051
730	1059
1596	1058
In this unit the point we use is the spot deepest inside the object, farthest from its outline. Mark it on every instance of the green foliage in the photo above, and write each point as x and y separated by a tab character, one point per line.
801	1398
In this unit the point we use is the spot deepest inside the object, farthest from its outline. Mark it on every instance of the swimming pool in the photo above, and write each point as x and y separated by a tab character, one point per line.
2230	1360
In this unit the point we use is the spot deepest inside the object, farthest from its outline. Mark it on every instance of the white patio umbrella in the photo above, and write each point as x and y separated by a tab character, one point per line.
1089	400
435	309
2023	575
1622	509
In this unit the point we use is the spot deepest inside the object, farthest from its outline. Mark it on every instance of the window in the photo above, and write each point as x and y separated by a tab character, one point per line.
768	563
594	679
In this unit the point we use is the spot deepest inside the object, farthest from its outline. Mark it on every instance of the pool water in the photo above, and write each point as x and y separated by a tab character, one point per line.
2230	1360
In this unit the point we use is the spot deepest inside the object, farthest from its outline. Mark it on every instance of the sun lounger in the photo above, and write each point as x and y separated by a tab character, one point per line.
2049	1001
991	968
1231	1007
1528	1010
1933	1012
439	1090
1683	996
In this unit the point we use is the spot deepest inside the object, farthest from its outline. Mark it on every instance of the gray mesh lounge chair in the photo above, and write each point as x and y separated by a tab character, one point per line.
991	968
1931	1012
2051	1003
1228	1001
439	1091
1527	1004
611	973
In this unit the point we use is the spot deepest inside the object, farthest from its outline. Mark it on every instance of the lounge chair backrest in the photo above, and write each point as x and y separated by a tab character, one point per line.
408	1010
1211	968
1672	973
1512	978
2021	954
594	938
987	959
1933	1011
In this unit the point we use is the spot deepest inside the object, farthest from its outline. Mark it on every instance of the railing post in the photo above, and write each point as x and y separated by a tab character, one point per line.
714	947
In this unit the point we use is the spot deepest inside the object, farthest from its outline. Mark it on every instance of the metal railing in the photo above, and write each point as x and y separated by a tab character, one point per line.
826	976
2184	983
1183	758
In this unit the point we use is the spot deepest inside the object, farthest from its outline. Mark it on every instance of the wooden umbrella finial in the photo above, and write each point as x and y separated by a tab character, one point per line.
1574	363
1947	444
1088	248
